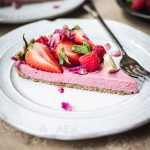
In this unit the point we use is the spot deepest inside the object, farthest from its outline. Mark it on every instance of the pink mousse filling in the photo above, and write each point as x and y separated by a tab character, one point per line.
118	81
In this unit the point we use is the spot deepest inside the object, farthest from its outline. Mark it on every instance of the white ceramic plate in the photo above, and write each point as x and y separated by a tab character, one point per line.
35	108
32	12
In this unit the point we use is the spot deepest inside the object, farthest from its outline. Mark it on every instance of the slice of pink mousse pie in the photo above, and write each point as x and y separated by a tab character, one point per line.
69	58
118	82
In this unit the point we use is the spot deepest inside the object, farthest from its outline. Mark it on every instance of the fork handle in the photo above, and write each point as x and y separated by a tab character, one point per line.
93	11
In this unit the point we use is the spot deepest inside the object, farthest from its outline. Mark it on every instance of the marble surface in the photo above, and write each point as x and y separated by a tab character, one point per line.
138	139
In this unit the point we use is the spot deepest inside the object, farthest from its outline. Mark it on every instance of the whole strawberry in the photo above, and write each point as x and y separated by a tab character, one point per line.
137	4
91	61
147	4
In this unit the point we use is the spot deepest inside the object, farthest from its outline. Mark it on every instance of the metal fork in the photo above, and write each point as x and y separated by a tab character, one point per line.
128	64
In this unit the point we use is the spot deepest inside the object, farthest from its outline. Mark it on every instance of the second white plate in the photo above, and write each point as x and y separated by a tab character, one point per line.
37	11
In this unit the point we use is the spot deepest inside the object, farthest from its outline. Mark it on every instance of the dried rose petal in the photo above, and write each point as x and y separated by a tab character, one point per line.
61	32
61	90
107	46
18	63
54	41
79	70
66	106
56	37
71	36
56	6
15	58
116	53
85	36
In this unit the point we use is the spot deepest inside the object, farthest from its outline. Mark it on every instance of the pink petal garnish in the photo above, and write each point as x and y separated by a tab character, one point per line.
61	90
116	53
71	36
79	70
15	58
85	36
56	6
66	106
61	32
18	63
107	46
55	39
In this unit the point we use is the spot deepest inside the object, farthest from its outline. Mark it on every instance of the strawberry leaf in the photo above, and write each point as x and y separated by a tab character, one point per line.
63	57
27	47
82	49
25	41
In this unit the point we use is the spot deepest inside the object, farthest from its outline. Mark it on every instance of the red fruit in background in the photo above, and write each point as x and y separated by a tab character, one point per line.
137	5
80	37
43	40
40	57
72	57
147	3
91	61
100	50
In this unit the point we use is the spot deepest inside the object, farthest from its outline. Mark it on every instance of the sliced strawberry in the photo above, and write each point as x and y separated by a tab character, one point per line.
91	61
40	57
64	50
137	5
80	37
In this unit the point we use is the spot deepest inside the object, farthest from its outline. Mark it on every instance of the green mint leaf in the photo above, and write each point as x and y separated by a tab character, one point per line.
63	57
61	61
81	49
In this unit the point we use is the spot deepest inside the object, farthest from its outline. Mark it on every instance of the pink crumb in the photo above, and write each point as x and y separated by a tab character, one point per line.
66	106
56	6
61	90
107	46
116	53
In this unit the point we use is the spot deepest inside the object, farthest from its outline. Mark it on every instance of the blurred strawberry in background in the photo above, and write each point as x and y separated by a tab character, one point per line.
140	5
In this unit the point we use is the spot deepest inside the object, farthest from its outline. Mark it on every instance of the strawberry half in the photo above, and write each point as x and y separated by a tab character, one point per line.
80	37
64	54
91	61
39	56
